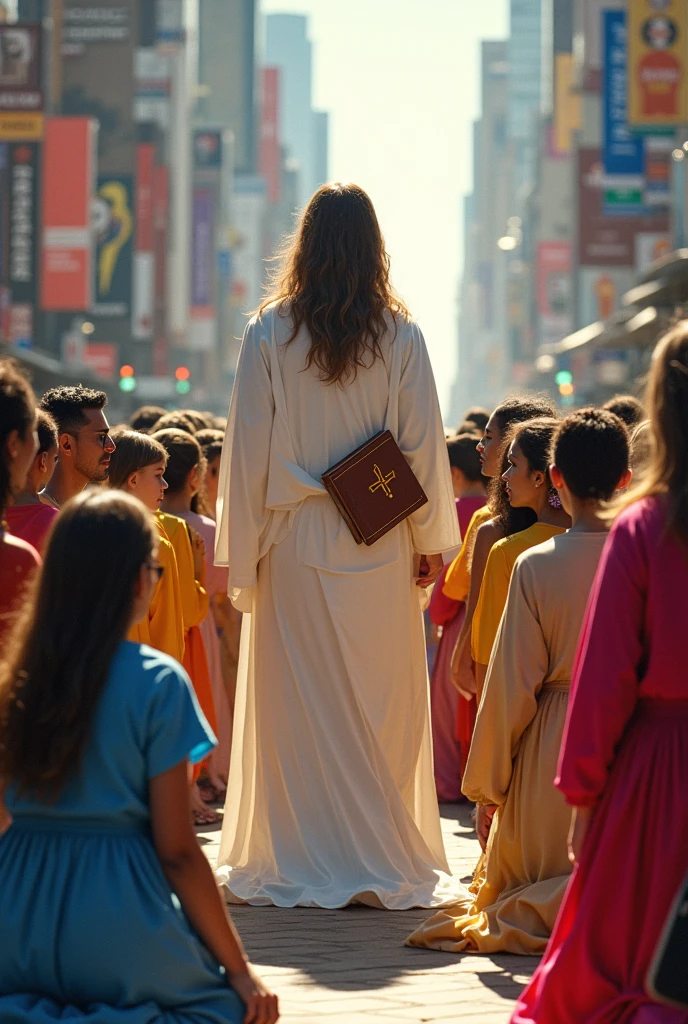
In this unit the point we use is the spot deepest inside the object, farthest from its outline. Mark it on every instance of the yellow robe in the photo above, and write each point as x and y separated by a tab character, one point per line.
513	759
195	604
457	582
495	586
163	626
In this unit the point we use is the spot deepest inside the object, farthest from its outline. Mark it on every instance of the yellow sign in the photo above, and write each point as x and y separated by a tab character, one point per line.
657	58
382	482
16	127
567	104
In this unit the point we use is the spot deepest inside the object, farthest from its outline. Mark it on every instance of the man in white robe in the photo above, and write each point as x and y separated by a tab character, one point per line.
331	794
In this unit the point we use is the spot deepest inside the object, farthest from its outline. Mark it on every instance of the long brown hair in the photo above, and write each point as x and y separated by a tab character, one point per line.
333	278
57	661
17	412
667	405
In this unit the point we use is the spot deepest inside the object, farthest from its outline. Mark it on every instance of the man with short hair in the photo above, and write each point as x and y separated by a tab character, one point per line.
84	442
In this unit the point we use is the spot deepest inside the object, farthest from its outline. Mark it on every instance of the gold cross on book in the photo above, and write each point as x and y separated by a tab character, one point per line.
382	481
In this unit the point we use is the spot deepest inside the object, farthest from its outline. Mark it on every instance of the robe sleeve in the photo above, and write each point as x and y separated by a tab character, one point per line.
488	612
242	489
195	602
457	581
518	667
434	527
442	609
606	675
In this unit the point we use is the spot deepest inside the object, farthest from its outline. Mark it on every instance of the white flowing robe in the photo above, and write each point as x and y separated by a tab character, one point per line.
331	794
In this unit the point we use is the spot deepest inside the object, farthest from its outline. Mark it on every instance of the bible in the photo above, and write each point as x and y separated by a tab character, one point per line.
374	488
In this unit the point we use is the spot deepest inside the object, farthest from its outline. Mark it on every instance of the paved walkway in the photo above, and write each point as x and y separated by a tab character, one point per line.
350	966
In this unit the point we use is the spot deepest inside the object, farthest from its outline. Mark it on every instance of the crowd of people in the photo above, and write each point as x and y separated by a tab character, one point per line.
129	707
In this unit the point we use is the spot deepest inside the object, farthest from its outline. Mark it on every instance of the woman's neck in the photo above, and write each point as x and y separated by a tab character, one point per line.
27	498
549	516
177	503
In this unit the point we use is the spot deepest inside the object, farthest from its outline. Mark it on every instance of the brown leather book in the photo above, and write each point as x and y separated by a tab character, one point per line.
374	488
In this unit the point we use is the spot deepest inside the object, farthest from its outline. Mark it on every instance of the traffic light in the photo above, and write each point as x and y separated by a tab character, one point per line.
183	383
564	382
563	377
127	380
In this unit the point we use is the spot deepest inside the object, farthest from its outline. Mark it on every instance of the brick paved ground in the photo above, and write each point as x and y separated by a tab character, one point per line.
350	966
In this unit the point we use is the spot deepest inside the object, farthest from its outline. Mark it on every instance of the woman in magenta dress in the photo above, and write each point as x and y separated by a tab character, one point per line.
448	614
624	762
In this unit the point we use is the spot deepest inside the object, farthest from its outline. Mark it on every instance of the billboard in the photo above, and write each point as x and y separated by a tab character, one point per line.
600	290
144	256
554	290
624	152
606	241
203	264
102	358
270	154
657	57
20	68
113	222
68	179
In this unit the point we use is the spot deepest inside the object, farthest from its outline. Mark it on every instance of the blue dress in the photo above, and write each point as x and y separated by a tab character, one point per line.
90	930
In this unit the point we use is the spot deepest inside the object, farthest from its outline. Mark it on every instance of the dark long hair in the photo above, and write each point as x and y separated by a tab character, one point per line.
667	405
57	661
333	278
534	438
17	412
509	414
183	454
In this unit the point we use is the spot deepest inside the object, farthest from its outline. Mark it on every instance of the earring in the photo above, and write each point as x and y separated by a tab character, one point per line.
553	498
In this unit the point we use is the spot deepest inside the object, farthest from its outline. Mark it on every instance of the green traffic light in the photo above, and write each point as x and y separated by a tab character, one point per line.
127	384
563	377
182	387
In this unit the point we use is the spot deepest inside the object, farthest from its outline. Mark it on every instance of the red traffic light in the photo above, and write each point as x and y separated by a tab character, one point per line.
126	371
182	373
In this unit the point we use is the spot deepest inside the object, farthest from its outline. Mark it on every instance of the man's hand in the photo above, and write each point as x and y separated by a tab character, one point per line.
430	568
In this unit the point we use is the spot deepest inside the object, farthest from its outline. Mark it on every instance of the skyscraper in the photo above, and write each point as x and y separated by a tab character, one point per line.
289	49
321	121
226	73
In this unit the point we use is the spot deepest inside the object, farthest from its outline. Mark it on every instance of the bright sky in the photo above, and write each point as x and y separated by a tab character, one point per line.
401	81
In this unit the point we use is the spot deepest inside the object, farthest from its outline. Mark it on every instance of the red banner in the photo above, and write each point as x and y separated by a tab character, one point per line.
144	258
68	186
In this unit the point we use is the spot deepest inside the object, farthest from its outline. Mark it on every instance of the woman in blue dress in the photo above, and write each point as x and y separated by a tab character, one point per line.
109	912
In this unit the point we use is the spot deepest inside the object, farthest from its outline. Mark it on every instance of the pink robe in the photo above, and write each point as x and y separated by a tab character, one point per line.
625	753
444	697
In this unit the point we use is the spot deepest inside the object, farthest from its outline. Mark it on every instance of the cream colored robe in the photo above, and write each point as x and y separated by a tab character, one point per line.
514	755
331	795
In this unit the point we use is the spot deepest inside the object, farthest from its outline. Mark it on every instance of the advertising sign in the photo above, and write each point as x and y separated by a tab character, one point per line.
600	290
68	179
102	358
20	68
606	241
114	227
270	159
554	290
144	257
23	222
207	150
87	23
650	247
203	263
624	152
657	57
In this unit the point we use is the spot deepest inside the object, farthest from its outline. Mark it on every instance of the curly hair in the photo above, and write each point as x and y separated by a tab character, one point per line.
66	405
333	279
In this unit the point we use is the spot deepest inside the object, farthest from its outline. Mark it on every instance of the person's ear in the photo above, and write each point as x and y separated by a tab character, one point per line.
625	480
65	444
12	444
556	476
539	477
132	481
42	461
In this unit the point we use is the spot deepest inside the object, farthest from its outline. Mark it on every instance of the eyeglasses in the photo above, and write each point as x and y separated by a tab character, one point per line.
157	570
102	436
